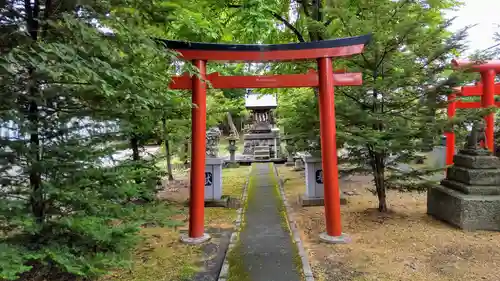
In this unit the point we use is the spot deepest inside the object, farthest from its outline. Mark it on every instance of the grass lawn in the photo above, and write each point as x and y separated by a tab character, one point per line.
161	257
233	181
401	245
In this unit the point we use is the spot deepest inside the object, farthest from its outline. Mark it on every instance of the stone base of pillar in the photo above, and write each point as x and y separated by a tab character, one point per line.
223	202
342	239
317	201
195	241
466	211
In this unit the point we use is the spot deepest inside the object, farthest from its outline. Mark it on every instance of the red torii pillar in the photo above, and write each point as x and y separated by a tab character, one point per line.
450	134
324	79
488	72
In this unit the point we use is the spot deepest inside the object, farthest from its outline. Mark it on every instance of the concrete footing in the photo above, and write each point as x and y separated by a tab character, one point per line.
223	202
466	211
318	201
195	241
342	239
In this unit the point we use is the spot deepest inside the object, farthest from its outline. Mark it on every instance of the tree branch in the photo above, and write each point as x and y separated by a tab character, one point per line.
329	21
350	34
282	19
290	26
394	47
304	7
360	103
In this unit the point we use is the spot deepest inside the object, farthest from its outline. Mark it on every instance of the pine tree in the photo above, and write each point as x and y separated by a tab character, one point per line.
69	94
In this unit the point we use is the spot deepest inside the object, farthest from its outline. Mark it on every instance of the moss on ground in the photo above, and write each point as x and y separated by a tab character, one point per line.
237	270
233	181
284	221
161	257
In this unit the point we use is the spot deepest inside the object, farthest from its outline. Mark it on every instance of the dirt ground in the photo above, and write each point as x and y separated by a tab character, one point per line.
404	244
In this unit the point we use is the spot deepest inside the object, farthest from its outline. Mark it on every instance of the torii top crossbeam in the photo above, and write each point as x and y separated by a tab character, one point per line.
273	52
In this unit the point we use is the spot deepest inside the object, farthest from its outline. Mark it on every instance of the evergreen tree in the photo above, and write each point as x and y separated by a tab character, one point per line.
69	94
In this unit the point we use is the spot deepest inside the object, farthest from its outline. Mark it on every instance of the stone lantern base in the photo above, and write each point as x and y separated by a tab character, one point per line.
469	197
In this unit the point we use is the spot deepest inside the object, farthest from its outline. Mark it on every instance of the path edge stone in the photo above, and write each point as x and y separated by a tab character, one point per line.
306	267
224	272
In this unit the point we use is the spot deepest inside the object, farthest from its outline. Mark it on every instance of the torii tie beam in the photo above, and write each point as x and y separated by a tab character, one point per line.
325	80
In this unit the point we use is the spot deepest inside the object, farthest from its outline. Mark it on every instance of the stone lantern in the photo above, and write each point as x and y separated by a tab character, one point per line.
290	150
232	151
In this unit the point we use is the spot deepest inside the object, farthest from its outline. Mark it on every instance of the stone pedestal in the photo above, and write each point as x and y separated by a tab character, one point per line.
298	163
314	195
437	157
213	179
261	153
469	197
289	161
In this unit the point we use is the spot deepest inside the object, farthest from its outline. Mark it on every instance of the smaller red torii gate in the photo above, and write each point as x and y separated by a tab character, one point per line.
486	89
324	79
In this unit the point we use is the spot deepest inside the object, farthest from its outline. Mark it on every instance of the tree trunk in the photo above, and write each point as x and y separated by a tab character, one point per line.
186	152
380	186
134	145
378	174
428	142
378	169
37	201
169	160
37	197
167	149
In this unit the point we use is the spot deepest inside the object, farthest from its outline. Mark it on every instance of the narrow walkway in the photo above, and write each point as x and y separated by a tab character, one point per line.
268	252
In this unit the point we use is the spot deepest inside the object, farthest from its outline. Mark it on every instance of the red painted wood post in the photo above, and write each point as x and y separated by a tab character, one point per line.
329	152
488	100
450	135
198	146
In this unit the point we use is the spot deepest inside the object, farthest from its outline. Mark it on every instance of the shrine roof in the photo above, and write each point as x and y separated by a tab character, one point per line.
260	101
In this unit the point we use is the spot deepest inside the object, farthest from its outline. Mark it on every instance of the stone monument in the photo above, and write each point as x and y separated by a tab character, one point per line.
469	197
263	139
314	195
213	166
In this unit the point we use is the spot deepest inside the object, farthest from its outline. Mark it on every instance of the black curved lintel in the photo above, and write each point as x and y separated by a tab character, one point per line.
324	44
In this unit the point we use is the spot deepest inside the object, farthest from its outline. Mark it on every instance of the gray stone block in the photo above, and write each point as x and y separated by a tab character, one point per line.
213	178
477	161
223	202
468	212
473	176
471	189
475	152
319	201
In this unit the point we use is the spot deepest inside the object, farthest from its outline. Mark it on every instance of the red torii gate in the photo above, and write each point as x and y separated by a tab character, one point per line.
486	89
324	79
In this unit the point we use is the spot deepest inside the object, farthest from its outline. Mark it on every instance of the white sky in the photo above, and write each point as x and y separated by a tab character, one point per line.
484	13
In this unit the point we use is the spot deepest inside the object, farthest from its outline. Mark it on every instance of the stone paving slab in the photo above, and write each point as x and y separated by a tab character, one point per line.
267	250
